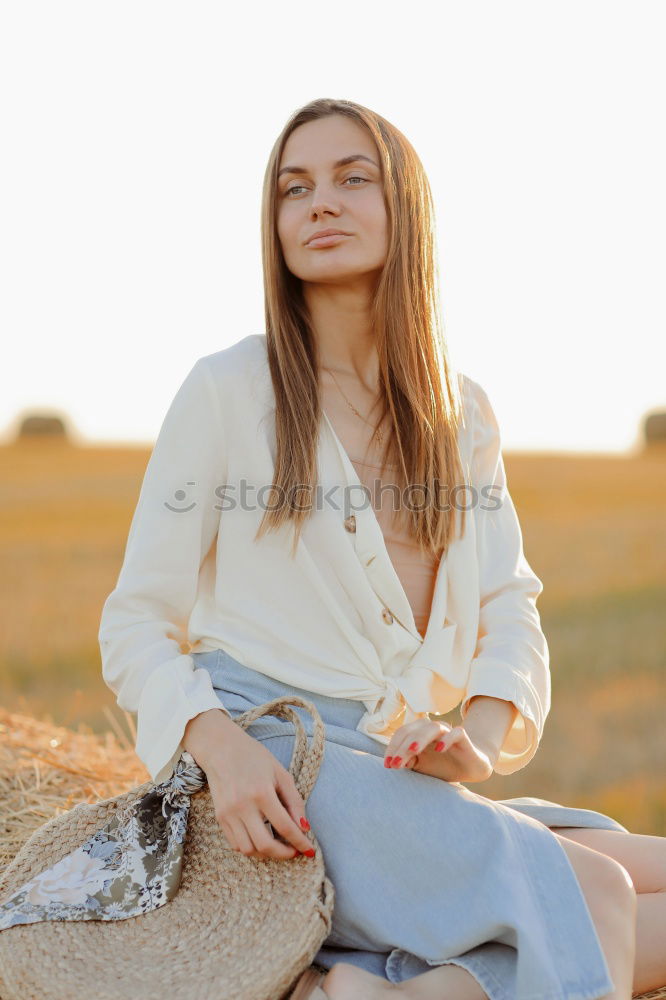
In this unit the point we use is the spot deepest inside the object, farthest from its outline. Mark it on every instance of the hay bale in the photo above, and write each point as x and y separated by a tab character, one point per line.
46	770
41	426
654	428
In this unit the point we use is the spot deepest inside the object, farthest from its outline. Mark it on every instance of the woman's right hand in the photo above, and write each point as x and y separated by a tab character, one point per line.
248	785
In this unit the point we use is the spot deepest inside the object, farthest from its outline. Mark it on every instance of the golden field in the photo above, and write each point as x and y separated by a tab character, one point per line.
594	532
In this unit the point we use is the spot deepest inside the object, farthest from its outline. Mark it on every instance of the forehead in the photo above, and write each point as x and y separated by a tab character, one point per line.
325	140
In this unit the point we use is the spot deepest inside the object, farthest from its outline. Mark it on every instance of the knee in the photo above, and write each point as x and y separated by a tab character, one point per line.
612	884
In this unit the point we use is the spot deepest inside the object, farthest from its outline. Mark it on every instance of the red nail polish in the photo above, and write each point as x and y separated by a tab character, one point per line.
397	761
439	747
304	823
310	853
414	746
387	762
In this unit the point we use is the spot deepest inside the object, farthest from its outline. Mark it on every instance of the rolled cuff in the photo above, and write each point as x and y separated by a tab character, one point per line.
169	699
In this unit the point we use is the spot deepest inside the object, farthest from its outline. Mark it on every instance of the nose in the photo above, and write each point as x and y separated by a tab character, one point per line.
323	201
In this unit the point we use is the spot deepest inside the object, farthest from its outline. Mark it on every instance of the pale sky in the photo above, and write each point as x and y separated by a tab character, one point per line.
135	137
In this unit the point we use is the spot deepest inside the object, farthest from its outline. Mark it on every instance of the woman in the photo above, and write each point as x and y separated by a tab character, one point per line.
378	620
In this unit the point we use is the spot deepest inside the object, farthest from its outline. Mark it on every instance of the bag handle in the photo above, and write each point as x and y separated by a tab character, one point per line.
305	760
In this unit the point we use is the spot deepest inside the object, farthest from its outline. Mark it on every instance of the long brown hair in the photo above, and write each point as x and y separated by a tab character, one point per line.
416	383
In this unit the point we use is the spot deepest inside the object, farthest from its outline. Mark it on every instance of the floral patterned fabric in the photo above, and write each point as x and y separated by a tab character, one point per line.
130	866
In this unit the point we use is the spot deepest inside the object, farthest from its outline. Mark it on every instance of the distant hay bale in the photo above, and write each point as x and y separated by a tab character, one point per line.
41	426
654	428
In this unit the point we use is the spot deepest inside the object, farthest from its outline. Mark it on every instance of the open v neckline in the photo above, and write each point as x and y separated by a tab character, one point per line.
368	512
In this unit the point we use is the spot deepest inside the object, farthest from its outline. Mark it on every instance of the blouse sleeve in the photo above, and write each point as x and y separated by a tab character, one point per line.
511	659
145	618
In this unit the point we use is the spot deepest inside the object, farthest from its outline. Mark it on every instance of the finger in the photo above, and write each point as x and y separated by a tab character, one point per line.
405	735
404	754
238	836
444	731
403	744
393	744
448	740
264	843
421	736
286	811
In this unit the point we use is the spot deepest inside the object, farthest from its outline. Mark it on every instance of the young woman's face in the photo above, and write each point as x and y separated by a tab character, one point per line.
320	195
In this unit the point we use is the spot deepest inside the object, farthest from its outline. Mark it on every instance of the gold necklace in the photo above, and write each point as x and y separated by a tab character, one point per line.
378	434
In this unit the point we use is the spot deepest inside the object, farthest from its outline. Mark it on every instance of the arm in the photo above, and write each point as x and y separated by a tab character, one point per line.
488	722
511	659
145	617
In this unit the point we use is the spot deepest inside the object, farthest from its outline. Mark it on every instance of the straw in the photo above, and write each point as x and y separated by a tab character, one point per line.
47	769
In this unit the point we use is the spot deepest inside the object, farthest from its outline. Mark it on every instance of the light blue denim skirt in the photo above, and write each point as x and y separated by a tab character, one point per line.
427	872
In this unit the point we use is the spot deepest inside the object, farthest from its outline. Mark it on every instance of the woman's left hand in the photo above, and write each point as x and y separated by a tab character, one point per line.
459	759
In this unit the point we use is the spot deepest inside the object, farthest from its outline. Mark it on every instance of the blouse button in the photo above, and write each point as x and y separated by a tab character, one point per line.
387	616
350	523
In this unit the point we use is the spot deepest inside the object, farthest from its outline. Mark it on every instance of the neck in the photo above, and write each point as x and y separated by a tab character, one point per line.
340	319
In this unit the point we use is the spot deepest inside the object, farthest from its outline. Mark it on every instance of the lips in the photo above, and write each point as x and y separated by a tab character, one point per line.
322	242
327	232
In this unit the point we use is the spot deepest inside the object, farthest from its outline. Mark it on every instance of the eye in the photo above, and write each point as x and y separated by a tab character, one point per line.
297	187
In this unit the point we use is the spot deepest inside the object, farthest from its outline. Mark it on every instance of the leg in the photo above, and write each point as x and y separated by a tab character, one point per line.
347	982
489	891
644	858
612	902
611	899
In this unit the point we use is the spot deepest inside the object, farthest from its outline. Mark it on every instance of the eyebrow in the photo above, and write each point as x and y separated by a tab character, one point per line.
338	163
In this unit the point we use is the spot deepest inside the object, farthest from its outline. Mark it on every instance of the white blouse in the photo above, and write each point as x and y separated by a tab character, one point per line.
335	619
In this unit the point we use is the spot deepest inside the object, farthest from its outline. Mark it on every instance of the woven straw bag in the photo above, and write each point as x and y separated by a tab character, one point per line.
235	928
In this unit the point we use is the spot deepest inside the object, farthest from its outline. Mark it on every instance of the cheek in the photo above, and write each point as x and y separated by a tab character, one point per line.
379	220
281	226
287	234
380	238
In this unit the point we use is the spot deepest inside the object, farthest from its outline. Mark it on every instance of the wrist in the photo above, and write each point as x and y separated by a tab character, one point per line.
204	730
487	723
481	740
